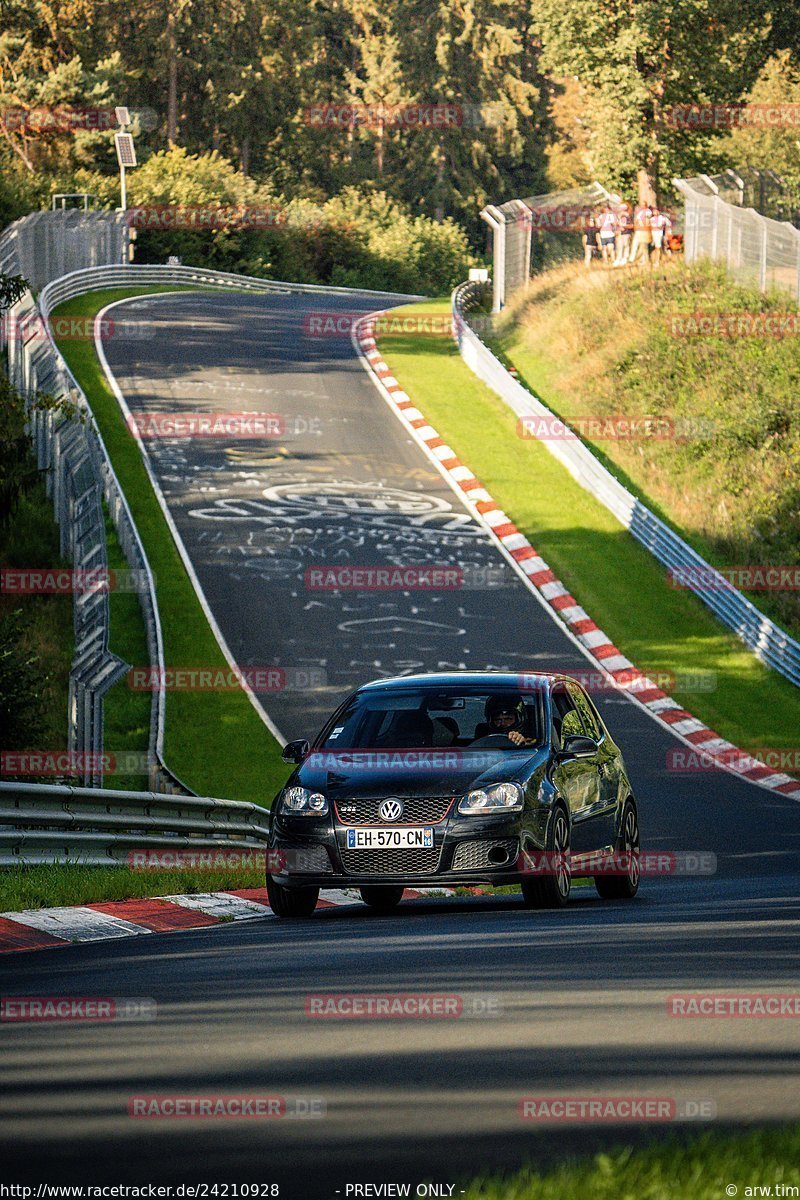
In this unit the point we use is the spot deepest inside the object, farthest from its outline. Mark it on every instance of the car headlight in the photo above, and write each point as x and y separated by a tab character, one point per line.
500	797
300	802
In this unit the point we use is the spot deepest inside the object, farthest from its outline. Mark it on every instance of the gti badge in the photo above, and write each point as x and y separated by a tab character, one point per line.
391	810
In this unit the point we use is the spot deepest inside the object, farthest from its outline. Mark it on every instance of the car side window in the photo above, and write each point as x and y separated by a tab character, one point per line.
566	720
590	725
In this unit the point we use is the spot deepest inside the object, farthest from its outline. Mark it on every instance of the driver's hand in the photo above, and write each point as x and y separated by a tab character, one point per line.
517	738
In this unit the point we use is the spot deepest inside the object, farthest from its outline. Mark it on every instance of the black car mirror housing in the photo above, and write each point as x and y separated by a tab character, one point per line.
295	752
578	746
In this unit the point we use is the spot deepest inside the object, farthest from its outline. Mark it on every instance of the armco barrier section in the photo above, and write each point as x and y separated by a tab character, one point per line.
145	275
771	644
50	823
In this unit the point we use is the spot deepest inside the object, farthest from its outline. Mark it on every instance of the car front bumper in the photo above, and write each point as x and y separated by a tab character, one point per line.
467	852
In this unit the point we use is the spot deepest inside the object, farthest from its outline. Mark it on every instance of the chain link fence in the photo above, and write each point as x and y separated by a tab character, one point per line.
79	476
46	245
527	233
757	251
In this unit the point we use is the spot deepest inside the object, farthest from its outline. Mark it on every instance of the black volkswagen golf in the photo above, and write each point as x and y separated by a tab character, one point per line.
431	781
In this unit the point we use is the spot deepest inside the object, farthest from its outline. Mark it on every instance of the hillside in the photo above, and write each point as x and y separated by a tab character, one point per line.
720	458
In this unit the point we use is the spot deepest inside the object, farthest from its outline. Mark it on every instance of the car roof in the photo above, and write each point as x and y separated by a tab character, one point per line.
520	680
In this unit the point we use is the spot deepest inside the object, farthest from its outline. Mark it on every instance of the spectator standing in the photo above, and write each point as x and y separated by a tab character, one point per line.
642	232
607	224
589	239
661	228
625	235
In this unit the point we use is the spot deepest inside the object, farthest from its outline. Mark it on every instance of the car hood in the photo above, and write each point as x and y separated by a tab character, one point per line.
418	773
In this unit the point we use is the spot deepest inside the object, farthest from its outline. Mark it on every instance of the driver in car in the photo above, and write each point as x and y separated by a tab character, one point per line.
505	715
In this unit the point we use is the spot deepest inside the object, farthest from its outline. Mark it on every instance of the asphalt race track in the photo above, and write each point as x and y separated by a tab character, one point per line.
579	998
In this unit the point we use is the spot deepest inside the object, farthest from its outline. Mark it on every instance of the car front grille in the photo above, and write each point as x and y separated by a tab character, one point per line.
474	856
391	862
417	810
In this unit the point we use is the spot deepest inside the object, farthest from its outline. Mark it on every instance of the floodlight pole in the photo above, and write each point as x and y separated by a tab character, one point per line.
123	188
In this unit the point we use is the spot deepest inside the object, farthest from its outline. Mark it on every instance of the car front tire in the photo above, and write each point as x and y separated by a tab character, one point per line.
382	899
291	902
552	890
623	887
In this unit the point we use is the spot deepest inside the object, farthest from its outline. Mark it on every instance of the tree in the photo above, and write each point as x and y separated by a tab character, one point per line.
638	60
478	56
767	147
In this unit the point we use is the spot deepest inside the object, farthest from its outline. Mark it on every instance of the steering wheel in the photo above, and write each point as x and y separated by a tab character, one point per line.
498	740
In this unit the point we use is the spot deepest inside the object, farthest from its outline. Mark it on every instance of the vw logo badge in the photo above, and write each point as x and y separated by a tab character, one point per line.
391	810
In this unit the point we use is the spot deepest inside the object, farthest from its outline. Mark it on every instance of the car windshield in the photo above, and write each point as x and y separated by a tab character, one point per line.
479	719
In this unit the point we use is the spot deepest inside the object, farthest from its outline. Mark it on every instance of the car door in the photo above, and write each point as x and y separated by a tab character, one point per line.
601	813
576	779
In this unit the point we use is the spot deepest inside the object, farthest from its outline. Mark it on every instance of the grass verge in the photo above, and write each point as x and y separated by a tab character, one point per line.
703	1168
721	465
214	741
55	884
621	586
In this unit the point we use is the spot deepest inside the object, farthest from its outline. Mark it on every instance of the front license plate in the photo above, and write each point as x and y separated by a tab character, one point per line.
389	839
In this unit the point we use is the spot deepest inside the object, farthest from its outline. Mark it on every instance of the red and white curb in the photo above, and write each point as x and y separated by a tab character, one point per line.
548	587
51	928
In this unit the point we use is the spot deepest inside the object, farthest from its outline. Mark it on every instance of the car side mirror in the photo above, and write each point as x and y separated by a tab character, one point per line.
578	746
295	752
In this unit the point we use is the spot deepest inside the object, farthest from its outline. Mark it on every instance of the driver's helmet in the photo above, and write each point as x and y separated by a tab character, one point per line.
497	705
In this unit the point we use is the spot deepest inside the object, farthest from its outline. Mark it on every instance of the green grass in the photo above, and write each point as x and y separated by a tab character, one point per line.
214	741
699	1168
70	883
599	344
621	586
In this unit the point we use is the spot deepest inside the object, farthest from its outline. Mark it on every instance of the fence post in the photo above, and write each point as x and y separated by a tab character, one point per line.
694	229
496	221
729	248
762	267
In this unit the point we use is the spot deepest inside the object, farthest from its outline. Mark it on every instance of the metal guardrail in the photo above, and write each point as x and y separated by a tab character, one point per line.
144	275
771	644
49	823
